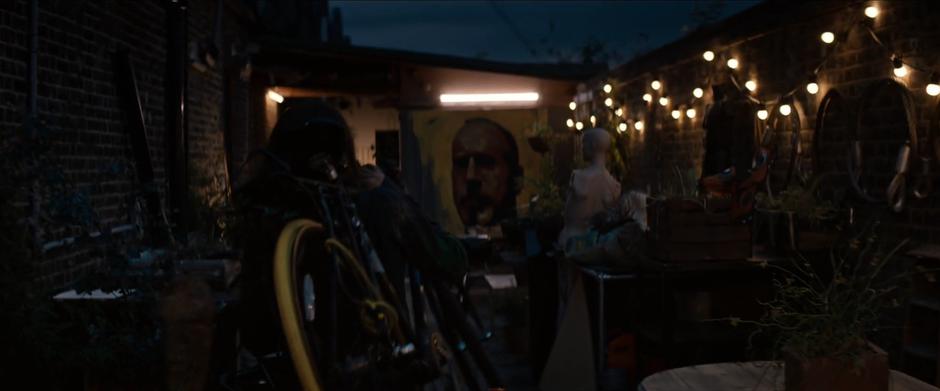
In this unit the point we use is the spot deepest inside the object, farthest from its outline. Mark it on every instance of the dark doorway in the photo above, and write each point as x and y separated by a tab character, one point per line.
386	148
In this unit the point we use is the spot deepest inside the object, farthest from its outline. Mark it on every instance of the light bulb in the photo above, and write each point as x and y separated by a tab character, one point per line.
638	125
608	88
647	97
690	113
623	127
828	37
762	114
872	11
812	87
572	105
733	63
655	85
785	110
272	95
751	85
570	123
708	55
933	89
618	112
593	120
698	93
676	114
900	71
578	125
609	102
663	101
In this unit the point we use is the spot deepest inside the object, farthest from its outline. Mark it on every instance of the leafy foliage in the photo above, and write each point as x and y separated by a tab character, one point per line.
800	200
831	312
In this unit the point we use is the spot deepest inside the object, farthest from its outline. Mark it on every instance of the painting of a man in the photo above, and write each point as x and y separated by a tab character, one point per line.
486	173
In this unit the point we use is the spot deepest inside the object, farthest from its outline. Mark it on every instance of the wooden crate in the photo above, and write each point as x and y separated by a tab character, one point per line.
685	231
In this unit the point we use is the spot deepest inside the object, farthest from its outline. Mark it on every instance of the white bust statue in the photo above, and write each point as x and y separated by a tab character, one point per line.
591	189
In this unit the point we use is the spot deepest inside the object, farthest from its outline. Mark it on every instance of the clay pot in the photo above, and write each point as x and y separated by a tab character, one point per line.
871	373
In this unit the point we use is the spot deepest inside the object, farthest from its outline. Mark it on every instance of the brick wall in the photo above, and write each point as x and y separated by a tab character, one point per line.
778	45
78	103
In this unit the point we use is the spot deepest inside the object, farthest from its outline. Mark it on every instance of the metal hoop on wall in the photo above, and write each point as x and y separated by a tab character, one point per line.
895	193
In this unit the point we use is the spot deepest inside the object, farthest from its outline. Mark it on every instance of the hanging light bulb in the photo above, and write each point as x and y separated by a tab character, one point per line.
785	109
698	92
762	113
663	101
608	88
578	125
622	127
593	120
812	87
872	11
676	114
751	85
638	125
618	112
570	123
733	63
655	85
827	37
708	55
273	95
572	105
933	88
647	97
900	70
609	102
690	113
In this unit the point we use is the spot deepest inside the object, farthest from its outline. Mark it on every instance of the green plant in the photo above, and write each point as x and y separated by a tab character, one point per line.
800	200
831	310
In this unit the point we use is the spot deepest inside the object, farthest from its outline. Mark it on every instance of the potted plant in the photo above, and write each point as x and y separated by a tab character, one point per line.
822	315
797	219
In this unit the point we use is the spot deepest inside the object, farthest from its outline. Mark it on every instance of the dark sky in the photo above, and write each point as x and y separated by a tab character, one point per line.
513	30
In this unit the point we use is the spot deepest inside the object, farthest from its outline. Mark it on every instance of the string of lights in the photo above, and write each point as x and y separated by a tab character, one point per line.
901	68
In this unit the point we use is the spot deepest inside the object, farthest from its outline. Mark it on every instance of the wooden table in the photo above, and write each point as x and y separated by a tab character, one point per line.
746	376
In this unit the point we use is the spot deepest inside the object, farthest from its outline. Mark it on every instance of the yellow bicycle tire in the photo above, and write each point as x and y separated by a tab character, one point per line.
285	289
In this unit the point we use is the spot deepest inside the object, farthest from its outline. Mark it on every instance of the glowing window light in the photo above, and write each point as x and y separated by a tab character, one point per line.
708	55
507	97
698	93
733	63
656	85
275	96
